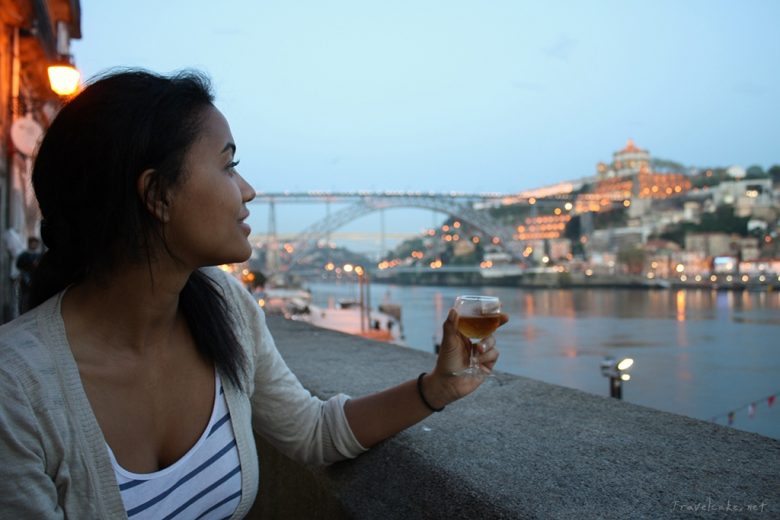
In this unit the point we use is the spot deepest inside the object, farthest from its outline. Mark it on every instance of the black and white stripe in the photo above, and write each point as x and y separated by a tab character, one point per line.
204	484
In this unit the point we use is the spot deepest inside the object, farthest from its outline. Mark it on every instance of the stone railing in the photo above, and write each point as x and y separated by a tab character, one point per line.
518	449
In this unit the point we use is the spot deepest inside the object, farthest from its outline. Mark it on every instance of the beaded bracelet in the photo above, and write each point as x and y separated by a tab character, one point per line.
422	397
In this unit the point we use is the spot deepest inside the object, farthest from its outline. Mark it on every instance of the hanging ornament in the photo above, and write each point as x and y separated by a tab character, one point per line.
751	410
770	400
731	418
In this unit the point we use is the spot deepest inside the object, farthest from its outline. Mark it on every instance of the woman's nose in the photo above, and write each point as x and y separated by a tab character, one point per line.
247	191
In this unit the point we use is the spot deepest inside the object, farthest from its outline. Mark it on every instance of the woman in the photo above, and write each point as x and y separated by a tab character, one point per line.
133	386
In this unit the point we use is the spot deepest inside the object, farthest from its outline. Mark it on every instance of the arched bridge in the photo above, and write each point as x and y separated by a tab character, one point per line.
459	205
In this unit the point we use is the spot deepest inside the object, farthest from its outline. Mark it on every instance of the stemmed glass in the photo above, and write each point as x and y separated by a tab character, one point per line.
478	318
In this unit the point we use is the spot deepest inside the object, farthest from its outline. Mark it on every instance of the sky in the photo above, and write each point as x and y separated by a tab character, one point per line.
473	96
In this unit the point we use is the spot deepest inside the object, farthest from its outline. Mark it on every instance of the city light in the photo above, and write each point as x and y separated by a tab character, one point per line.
542	234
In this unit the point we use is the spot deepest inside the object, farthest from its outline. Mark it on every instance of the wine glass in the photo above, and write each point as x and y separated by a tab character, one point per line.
478	318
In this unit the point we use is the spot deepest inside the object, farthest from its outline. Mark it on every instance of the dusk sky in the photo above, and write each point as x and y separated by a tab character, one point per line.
459	95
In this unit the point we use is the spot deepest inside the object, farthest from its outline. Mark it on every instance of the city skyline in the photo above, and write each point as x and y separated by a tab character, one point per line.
458	96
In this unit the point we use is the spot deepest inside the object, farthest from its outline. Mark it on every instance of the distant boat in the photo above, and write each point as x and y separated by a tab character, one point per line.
657	283
283	301
383	324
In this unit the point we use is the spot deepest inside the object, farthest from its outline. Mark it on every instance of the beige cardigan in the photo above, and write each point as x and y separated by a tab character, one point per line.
53	457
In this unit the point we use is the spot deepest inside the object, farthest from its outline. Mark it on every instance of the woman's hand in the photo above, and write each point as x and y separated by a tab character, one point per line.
441	384
377	416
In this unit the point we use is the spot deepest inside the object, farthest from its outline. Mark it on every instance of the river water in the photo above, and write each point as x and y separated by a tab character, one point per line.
697	353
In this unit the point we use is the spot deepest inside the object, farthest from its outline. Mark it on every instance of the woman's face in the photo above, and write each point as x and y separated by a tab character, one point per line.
207	209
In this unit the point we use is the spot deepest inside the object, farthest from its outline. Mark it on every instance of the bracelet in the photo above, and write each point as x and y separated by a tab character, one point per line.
422	397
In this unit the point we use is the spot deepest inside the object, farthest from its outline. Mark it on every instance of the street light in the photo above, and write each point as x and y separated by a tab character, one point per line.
63	75
614	370
64	78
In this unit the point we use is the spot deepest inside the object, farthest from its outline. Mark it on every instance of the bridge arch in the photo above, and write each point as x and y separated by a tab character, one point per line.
368	204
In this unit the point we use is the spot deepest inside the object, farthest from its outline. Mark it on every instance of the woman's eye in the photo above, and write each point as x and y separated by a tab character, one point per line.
232	165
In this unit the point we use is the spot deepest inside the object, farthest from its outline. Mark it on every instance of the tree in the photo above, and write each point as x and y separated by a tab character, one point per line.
723	220
709	177
406	247
633	258
774	173
755	172
676	232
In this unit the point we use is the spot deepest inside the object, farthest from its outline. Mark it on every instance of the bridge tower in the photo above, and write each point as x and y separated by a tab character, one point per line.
382	234
272	246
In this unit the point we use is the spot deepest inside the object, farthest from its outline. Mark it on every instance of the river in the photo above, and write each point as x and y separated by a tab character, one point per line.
697	353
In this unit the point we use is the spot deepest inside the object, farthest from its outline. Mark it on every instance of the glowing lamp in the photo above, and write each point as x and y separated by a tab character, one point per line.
64	79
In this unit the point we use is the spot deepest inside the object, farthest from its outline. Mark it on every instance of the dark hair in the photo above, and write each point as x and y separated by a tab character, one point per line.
85	178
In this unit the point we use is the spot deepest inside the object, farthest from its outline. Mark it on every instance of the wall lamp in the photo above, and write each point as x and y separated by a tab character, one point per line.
64	77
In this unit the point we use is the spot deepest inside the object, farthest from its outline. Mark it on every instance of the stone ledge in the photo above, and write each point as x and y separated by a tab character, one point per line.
521	449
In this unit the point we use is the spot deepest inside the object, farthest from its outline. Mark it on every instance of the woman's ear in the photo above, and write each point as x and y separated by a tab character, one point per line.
149	191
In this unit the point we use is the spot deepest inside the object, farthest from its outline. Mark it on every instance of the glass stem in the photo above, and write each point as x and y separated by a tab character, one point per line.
473	358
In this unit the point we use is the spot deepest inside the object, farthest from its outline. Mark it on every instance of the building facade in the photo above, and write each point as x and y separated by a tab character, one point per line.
34	34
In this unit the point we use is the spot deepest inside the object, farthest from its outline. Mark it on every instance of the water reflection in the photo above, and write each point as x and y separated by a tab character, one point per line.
698	353
680	300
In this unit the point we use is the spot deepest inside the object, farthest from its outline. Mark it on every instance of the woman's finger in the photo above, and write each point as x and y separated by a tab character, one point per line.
486	344
451	323
491	356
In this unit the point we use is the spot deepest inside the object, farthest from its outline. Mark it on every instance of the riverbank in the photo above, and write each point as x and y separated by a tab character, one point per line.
563	280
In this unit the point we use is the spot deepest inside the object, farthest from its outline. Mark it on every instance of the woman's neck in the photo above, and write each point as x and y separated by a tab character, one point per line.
133	310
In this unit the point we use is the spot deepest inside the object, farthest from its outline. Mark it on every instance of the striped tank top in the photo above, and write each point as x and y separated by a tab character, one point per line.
204	484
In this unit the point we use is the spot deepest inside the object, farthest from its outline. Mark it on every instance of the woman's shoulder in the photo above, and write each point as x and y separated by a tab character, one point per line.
231	287
224	280
26	346
242	305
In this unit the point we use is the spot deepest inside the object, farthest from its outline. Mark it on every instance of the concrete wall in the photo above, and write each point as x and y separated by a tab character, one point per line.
518	449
